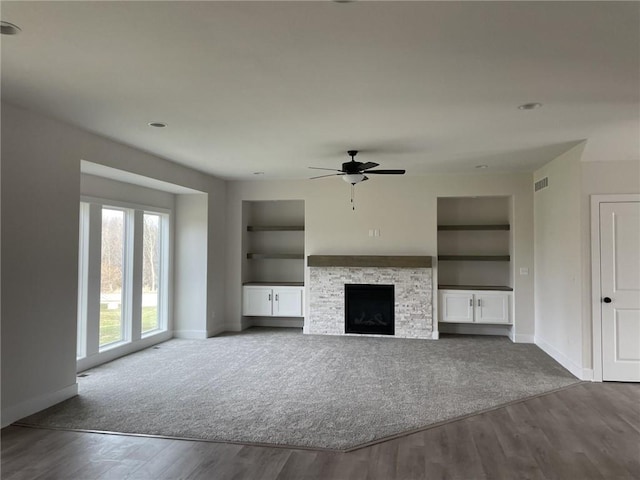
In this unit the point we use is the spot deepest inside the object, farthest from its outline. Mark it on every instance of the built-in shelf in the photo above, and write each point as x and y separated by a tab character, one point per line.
261	256
497	288
474	258
275	228
474	227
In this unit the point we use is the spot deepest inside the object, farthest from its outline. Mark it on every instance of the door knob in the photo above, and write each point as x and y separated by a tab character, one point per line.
606	300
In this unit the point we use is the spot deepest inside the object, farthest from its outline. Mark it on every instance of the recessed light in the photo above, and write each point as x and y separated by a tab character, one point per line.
529	106
157	124
7	28
258	173
482	166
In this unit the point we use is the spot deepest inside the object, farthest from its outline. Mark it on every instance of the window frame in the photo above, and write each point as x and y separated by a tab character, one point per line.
126	310
89	352
163	272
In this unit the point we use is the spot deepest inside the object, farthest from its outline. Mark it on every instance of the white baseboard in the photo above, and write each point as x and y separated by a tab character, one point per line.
215	331
575	369
232	327
523	338
435	335
191	334
34	405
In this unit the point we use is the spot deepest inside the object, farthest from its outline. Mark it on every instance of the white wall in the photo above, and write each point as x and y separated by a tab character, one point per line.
404	209
558	261
40	202
190	305
216	257
40	205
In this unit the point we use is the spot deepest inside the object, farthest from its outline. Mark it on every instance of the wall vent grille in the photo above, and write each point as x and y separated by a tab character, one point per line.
540	184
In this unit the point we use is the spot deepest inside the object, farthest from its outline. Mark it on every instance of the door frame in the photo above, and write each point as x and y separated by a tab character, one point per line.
596	312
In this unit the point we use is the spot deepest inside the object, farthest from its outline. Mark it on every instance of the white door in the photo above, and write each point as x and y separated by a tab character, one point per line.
456	307
620	290
288	302
492	307
257	301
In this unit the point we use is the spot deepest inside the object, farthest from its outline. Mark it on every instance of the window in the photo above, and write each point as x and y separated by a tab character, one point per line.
112	269
152	273
123	275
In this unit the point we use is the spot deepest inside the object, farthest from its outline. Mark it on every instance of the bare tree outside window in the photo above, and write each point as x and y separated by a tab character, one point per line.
111	276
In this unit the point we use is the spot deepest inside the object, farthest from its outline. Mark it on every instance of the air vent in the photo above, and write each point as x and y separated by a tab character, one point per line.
540	184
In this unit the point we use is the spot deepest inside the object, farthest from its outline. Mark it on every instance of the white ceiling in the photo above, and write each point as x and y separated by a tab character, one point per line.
280	86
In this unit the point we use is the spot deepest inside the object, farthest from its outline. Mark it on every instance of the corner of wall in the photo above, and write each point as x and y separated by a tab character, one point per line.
558	265
35	404
576	370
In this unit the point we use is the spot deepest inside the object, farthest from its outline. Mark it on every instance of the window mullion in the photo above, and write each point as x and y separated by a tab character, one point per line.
163	300
83	272
94	258
134	290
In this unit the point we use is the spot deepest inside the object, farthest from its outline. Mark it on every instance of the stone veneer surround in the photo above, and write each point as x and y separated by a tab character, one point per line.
413	298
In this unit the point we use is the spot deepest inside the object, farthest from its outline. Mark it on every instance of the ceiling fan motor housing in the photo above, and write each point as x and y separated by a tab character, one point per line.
351	167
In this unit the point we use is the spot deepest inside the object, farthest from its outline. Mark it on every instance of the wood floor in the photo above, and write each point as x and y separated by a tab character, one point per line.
588	431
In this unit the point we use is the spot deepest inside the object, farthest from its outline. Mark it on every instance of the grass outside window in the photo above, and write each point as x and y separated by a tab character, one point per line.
110	323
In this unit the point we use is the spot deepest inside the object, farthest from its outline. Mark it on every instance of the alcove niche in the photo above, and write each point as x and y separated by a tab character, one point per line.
273	257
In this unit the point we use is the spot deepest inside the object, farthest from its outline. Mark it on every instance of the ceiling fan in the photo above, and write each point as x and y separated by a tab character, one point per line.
354	172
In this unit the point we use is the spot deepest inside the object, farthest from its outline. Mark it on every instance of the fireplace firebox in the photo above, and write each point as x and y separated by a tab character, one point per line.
369	309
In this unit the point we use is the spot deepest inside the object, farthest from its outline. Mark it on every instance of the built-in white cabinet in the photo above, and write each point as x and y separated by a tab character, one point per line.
474	306
272	301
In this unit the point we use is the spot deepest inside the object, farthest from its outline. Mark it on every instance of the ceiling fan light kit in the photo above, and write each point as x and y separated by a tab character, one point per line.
354	178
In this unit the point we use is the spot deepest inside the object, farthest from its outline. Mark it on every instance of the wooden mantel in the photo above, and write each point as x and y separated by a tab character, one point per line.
380	261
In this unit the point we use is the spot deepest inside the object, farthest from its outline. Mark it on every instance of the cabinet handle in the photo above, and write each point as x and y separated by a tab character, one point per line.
471	302
269	297
479	304
276	297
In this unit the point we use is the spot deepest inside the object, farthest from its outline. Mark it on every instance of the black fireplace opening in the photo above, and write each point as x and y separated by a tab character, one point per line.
369	309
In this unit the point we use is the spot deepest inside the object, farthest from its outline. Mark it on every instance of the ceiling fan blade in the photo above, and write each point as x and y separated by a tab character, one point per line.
386	172
330	169
330	175
367	165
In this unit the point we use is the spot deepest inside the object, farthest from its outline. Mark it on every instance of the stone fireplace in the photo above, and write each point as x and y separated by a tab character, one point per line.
409	276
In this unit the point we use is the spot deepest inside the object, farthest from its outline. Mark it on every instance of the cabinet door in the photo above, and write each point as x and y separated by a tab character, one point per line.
287	302
257	301
456	307
492	308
